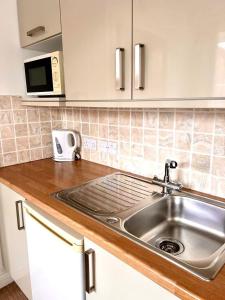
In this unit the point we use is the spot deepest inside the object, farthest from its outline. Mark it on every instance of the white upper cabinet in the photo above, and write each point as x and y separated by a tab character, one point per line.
184	48
38	20
92	31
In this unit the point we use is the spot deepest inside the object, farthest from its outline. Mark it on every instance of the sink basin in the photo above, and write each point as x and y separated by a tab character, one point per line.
186	230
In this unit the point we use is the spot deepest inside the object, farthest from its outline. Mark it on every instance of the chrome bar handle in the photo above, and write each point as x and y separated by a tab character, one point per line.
90	270
139	66
120	69
35	30
19	215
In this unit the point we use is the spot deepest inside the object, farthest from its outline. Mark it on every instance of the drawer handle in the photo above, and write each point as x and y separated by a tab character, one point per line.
90	270
120	69
35	30
19	215
139	66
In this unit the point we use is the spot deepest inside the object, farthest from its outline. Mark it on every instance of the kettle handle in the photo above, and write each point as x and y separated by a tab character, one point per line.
74	137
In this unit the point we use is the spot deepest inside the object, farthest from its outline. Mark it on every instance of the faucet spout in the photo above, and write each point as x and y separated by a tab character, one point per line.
168	185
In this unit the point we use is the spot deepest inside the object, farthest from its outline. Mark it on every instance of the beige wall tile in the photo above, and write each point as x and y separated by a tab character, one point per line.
47	152
137	150
103	116
23	156
34	128
202	143
166	120
5	102
166	138
69	114
36	154
183	158
204	122
219	145
84	115
150	119
94	129
124	117
8	145
56	114
103	131
150	137
57	124
183	141
220	123
124	133
137	118
201	163
113	132
21	130
200	181
93	115
218	186
6	117
218	168
150	153
76	114
113	117
85	129
35	141
46	140
22	143
33	115
7	131
45	114
137	135
20	116
46	127
184	121
16	102
9	159
124	149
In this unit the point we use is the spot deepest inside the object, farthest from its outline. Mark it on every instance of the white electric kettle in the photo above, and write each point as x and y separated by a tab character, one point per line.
66	145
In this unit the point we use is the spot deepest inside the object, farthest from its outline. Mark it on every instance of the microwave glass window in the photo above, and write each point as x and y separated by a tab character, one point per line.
38	75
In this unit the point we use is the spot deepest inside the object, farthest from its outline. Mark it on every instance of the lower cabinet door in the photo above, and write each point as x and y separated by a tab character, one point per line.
14	238
115	280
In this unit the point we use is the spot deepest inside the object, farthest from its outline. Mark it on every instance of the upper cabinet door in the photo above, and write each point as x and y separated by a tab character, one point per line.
38	20
182	51
97	49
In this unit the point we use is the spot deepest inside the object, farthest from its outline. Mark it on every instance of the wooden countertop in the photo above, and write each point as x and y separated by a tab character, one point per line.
35	181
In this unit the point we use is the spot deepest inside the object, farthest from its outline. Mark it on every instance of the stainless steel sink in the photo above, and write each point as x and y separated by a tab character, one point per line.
185	229
190	229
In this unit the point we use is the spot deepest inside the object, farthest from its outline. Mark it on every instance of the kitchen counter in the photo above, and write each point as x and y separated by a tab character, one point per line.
35	181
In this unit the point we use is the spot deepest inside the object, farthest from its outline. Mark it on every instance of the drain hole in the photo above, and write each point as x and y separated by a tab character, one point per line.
170	246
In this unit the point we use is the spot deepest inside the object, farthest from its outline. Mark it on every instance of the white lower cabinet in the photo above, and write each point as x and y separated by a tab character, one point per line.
115	280
13	238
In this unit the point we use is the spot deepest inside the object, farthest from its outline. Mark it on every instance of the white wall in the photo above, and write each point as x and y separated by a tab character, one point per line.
11	55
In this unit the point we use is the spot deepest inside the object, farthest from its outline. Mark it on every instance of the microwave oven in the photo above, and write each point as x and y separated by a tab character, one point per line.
44	75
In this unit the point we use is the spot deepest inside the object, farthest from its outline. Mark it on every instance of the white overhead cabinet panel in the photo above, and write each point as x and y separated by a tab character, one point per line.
38	20
183	48
97	49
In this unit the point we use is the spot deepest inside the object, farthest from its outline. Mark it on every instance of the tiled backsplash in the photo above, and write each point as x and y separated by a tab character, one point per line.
144	138
25	133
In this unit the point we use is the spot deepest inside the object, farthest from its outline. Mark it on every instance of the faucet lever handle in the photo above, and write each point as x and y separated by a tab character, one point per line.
173	164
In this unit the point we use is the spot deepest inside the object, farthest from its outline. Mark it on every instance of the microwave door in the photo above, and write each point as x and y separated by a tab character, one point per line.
38	75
